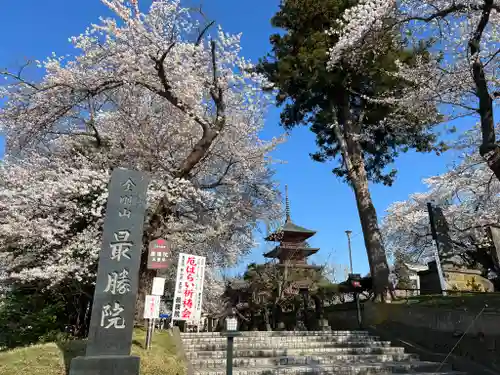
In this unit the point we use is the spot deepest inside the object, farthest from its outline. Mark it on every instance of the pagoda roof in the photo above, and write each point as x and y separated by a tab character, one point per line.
299	265
238	284
278	250
289	227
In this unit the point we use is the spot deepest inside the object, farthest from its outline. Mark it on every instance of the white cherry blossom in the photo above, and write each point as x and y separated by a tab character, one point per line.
469	195
461	73
148	91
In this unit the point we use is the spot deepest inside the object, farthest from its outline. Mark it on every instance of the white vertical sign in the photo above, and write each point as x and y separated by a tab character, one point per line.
199	287
179	289
188	295
152	307
158	288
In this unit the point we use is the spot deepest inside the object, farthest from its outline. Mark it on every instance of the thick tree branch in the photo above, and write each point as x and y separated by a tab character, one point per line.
166	91
201	147
219	182
217	93
209	134
442	13
482	92
91	123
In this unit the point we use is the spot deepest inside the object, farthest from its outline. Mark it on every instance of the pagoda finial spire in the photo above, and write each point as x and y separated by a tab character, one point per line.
287	205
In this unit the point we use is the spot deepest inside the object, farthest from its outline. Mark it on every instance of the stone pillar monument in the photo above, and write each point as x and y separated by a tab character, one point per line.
113	309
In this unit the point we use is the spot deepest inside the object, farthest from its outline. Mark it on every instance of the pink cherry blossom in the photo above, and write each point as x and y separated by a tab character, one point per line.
145	91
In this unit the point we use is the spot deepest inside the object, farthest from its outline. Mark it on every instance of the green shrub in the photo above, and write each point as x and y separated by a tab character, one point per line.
26	319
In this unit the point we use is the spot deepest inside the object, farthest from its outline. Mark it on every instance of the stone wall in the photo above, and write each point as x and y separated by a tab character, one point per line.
437	330
455	278
461	279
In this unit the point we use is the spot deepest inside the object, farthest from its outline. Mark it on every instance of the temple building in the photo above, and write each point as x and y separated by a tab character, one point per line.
292	250
287	267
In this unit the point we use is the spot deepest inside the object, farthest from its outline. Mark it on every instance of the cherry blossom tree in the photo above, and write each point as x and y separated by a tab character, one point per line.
149	91
461	75
468	194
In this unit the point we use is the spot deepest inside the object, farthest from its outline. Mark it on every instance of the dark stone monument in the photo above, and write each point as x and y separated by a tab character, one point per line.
495	236
444	244
113	309
440	232
429	280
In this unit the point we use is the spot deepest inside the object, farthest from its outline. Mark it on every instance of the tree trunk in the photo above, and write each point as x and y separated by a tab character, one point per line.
318	304
266	319
153	231
277	315
353	157
252	324
210	133
489	149
145	287
373	239
82	316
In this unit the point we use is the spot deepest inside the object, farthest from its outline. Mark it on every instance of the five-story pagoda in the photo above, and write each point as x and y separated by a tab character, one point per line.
292	251
265	289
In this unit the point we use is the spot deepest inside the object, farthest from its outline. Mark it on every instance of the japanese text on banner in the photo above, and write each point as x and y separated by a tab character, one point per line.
189	288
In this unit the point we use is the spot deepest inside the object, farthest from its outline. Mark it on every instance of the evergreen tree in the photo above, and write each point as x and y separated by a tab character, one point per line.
401	271
365	135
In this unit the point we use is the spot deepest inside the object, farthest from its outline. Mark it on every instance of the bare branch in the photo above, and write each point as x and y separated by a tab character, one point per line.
19	78
203	32
492	57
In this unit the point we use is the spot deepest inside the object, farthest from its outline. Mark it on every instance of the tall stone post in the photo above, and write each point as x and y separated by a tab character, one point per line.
112	320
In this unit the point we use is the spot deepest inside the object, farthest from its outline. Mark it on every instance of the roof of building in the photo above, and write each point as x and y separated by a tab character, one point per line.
416	267
278	250
238	284
300	265
289	226
292	227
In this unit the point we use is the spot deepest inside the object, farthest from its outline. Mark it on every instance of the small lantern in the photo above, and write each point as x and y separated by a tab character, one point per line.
231	332
355	281
231	323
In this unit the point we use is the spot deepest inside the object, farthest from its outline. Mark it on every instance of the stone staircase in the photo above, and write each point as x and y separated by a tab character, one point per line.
297	353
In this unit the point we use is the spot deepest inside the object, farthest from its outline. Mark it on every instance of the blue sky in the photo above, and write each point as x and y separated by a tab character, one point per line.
319	201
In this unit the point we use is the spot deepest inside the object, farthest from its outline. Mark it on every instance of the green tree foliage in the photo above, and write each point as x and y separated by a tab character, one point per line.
312	95
31	314
364	135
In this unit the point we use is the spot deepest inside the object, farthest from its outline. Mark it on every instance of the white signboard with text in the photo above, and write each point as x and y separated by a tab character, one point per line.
189	288
152	307
158	288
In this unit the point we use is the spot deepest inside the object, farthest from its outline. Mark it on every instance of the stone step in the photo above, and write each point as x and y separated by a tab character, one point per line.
294	352
285	340
280	345
276	333
315	360
413	367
